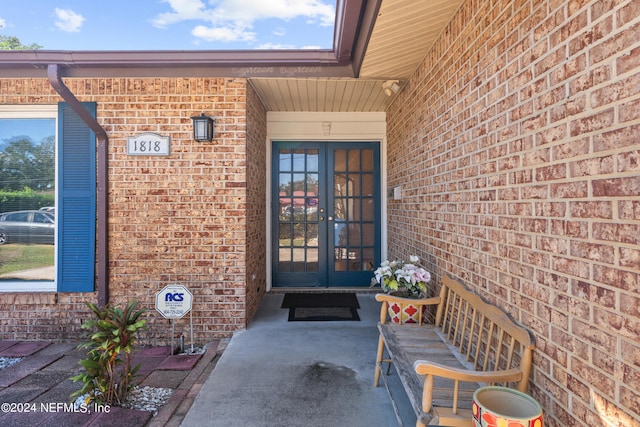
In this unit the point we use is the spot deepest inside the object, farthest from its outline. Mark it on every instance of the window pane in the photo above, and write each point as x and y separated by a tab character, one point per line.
27	184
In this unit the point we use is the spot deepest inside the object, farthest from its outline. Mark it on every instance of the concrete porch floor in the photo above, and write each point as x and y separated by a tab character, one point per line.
275	373
280	373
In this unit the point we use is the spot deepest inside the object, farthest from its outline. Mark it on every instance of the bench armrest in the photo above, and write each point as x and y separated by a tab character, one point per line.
431	369
386	299
424	367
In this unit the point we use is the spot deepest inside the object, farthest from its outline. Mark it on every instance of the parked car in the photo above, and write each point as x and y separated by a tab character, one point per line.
27	227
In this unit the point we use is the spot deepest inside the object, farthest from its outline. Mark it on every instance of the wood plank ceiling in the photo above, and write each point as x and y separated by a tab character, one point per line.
403	33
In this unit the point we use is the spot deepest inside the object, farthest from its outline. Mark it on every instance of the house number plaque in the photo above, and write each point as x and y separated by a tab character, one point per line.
148	144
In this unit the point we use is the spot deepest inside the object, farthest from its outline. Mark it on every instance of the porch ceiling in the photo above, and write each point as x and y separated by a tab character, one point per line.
403	33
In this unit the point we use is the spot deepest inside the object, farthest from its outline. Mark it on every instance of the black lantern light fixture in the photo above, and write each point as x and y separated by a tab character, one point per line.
202	128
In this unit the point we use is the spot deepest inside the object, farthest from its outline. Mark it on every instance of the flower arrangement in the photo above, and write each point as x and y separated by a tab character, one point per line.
403	277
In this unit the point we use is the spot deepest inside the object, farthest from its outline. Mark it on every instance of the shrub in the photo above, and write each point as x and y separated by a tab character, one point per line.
24	200
112	334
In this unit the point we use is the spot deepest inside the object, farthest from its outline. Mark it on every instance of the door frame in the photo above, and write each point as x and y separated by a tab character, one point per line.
325	127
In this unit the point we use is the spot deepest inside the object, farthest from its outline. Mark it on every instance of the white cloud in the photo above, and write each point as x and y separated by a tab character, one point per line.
3	23
223	34
233	20
182	10
253	10
68	20
274	46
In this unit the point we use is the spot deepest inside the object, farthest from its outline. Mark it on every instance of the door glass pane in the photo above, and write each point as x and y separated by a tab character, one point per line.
340	161
354	234
368	210
355	260
353	191
286	184
354	185
312	235
298	220
313	157
312	260
299	260
367	234
285	160
367	184
286	239
353	162
367	160
368	257
340	259
284	260
299	159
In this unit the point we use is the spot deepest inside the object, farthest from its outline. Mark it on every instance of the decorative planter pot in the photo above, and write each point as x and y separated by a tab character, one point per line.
501	406
405	311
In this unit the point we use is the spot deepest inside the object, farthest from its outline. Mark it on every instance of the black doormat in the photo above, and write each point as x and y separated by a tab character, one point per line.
321	306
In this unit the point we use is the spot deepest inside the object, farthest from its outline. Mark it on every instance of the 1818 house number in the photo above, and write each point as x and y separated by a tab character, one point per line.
148	144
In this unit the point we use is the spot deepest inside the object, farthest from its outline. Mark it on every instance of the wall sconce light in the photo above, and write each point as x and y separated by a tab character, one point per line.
390	87
202	128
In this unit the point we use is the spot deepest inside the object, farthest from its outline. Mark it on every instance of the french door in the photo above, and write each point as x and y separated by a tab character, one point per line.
326	213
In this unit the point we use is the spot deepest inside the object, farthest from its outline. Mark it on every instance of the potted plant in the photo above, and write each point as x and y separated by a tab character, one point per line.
404	279
408	283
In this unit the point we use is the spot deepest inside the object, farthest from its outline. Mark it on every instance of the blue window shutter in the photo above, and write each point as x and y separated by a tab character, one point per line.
76	207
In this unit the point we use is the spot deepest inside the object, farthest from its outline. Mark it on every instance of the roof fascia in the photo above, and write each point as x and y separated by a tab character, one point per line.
346	28
276	63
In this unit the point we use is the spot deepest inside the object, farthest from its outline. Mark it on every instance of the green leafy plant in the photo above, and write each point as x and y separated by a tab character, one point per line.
108	375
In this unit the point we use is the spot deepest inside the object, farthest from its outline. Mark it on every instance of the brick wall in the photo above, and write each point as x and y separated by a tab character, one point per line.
517	145
176	219
256	202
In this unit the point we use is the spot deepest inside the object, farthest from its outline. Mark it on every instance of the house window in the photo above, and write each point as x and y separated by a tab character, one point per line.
27	198
47	199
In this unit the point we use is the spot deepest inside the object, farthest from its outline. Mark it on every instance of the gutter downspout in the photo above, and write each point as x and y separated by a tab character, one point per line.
53	72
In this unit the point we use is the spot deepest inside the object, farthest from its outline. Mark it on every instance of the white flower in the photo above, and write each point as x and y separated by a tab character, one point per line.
399	275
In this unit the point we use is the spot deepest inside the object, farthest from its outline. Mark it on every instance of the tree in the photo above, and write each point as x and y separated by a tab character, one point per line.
13	43
25	164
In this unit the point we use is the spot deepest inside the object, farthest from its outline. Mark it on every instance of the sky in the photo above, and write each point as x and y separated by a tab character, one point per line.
170	24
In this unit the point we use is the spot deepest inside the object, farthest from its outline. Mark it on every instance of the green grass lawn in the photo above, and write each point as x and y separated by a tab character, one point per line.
18	257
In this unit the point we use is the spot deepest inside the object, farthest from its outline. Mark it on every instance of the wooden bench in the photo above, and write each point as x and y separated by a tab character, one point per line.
471	344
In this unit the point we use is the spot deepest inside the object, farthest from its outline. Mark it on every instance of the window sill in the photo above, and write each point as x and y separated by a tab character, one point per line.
22	287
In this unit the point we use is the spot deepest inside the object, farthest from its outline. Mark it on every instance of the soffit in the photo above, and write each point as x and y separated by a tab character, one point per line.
403	33
322	95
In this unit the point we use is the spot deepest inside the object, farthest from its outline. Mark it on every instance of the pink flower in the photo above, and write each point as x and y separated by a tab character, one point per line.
399	275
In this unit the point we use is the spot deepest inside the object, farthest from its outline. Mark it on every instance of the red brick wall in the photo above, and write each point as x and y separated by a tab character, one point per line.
176	219
517	145
256	202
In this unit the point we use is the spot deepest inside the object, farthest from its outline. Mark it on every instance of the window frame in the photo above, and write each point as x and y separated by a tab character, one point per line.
35	112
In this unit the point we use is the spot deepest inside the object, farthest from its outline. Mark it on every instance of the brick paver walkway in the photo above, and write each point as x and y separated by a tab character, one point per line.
35	391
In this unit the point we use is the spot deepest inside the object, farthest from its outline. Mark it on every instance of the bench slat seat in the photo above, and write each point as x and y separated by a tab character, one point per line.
407	348
471	344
